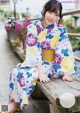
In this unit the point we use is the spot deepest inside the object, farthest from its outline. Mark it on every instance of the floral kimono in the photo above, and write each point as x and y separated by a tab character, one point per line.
54	38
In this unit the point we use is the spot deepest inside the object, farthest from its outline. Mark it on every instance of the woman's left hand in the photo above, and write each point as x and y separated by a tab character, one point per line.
67	78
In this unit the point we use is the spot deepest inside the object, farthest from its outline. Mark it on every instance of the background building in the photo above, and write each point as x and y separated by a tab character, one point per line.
76	17
5	4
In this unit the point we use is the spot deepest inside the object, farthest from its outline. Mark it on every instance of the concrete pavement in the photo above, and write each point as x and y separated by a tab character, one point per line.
7	62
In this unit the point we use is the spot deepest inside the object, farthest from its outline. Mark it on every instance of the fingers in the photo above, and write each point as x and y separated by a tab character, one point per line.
46	79
68	78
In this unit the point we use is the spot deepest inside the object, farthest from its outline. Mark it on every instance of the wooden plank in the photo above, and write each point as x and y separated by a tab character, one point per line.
47	92
73	87
55	88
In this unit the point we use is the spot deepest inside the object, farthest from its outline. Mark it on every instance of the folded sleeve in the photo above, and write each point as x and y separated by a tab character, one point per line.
33	47
64	62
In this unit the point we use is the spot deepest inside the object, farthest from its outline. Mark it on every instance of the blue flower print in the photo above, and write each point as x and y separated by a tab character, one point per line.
19	75
38	45
49	36
49	75
63	34
65	52
47	63
28	74
30	89
56	68
11	85
50	26
75	67
62	37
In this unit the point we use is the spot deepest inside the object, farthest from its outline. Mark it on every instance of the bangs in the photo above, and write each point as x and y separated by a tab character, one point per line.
53	6
54	9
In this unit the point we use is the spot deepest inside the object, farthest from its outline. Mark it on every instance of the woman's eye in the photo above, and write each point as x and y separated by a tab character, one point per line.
56	14
50	12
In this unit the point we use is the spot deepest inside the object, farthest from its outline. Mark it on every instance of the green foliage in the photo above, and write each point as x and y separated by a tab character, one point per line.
71	29
1	11
68	21
75	42
23	15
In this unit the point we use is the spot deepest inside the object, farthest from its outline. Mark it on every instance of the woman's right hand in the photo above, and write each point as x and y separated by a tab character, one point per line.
43	78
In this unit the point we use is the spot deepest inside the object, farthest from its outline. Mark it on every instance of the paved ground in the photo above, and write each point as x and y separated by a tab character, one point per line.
7	62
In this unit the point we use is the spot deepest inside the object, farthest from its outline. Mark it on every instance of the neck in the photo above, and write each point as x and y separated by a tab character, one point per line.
43	23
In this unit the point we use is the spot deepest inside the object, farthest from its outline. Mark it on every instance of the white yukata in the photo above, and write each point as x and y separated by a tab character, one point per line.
23	79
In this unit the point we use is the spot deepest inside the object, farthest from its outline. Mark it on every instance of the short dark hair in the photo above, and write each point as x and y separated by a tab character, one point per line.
54	6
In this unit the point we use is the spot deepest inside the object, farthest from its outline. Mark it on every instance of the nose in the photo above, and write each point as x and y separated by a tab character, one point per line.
52	17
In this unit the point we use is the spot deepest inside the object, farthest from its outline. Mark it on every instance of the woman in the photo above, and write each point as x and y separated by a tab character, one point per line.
48	52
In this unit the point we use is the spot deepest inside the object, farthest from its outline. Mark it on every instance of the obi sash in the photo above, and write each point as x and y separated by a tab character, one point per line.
48	55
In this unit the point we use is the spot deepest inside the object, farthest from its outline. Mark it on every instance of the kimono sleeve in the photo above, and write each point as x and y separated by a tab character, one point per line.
33	48
64	62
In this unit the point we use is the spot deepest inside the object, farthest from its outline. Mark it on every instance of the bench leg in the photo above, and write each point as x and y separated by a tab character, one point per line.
53	109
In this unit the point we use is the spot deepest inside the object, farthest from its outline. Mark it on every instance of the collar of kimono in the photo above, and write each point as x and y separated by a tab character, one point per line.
46	31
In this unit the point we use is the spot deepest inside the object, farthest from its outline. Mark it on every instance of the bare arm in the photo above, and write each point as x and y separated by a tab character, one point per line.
42	77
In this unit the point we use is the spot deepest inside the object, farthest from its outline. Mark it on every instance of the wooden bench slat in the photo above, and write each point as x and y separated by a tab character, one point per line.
54	89
57	87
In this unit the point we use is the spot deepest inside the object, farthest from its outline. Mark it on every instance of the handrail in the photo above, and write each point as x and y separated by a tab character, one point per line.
77	59
71	12
63	14
74	35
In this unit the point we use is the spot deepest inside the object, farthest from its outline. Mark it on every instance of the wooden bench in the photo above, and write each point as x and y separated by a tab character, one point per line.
55	88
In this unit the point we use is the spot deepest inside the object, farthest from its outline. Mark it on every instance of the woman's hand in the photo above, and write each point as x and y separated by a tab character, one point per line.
67	78
43	78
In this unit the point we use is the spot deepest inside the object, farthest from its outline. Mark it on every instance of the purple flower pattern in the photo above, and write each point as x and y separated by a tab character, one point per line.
31	40
49	30
45	45
21	81
38	28
58	59
10	76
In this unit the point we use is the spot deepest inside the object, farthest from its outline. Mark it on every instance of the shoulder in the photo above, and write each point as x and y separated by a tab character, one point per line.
63	33
33	24
32	28
61	28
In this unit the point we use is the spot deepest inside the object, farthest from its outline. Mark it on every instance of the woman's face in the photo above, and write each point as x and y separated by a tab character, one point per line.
51	17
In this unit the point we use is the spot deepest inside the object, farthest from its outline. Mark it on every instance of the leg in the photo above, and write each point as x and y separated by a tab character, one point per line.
22	83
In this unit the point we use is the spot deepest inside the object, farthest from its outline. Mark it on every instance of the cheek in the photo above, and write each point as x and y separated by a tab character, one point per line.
57	19
47	15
